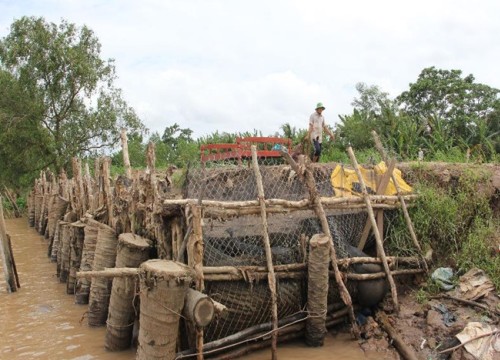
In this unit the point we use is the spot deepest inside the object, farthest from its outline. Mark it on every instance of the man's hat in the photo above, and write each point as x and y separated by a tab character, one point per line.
320	106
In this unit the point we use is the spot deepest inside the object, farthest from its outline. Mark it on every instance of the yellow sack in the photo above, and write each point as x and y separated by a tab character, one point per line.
345	181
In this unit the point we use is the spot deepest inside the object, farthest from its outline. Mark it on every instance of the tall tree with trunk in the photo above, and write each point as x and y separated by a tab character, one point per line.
464	105
24	142
60	65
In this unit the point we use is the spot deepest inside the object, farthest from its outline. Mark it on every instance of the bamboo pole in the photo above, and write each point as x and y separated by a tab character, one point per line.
230	276
409	223
380	275
301	266
300	204
221	213
6	255
307	176
108	273
380	191
269	258
378	239
126	159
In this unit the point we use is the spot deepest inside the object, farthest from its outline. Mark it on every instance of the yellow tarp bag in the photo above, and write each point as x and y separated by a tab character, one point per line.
345	181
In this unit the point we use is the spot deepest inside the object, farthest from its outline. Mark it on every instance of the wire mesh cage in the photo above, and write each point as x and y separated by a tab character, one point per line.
238	240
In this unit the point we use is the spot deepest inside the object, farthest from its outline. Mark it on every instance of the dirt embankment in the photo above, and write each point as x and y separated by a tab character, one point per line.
448	175
429	320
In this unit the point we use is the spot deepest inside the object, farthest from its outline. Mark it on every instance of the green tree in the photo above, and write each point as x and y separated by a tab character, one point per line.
176	141
462	103
174	133
373	110
371	100
23	141
136	152
291	132
60	65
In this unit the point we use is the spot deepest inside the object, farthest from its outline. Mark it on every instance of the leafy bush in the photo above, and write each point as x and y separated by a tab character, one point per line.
456	221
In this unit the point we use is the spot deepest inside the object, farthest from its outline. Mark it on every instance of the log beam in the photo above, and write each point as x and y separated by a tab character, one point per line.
198	308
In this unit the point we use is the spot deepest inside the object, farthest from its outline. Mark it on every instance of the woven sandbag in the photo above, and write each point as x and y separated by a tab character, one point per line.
82	289
133	250
100	288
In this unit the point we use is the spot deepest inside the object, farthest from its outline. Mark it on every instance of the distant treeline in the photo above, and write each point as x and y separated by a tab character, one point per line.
58	100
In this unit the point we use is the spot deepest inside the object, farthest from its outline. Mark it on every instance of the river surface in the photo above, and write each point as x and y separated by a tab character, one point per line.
40	321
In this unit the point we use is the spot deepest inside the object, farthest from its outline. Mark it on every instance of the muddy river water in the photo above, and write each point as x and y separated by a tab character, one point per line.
40	321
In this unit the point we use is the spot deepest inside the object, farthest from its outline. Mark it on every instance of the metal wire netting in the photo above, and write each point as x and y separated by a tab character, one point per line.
238	241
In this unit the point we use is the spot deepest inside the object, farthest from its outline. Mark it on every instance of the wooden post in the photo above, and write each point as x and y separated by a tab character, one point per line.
14	266
89	191
81	205
6	255
269	258
195	260
31	207
317	289
409	223
126	159
133	250
163	285
378	239
195	247
98	174
380	191
39	221
305	174
151	163
107	190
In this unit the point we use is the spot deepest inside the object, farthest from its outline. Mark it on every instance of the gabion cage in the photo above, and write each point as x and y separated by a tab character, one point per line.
238	241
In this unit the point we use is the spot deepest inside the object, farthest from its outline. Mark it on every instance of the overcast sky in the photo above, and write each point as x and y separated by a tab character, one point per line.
237	65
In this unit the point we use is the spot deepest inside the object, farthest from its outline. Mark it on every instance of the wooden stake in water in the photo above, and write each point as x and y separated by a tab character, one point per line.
6	255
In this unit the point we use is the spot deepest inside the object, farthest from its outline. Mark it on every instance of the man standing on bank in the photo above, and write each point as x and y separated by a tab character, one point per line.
315	132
